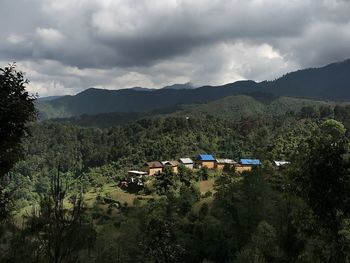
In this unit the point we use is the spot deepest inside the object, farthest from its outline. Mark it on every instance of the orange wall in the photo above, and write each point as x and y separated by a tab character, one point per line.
240	169
219	166
209	165
175	169
152	171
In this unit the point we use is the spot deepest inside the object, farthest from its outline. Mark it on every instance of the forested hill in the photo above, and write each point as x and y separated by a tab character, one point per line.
94	101
233	108
329	82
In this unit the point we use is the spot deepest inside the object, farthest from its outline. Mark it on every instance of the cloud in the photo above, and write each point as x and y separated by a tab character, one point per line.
69	45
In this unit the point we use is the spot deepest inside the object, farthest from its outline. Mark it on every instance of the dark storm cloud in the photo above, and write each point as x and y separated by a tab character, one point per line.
121	43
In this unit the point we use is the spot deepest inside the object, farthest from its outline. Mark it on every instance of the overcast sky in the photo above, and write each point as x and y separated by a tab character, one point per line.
66	46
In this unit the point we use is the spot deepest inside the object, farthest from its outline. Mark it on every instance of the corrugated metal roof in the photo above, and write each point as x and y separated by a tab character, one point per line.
154	164
172	163
281	163
137	172
228	161
250	161
186	160
206	157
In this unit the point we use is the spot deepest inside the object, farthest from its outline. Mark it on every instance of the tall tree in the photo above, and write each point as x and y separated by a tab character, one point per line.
322	179
56	232
16	110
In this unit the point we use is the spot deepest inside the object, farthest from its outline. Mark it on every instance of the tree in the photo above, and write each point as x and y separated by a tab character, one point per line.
263	246
308	112
165	180
321	178
56	232
16	110
322	173
203	173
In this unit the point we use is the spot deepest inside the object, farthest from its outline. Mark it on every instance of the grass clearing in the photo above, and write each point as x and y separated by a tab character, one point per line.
206	186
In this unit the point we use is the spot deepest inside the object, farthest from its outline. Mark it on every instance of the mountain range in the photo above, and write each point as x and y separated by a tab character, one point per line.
331	82
232	108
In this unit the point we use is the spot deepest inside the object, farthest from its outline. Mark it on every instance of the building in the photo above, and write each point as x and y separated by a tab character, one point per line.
206	160
136	177
173	164
187	162
220	163
246	165
153	168
280	164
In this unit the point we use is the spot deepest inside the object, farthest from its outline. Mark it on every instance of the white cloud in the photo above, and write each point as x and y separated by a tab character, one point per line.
69	45
50	37
15	39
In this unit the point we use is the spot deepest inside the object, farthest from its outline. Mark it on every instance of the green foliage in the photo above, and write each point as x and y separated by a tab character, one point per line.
54	233
298	213
323	168
263	247
16	110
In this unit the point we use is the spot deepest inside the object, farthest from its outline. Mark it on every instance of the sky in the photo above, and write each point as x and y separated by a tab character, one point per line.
66	46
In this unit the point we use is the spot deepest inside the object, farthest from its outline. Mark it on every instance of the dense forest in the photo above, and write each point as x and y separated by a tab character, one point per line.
63	208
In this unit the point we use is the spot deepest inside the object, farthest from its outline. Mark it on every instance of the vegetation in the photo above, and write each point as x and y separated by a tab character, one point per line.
17	109
68	206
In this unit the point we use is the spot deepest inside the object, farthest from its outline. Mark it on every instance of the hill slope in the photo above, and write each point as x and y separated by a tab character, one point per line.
330	82
95	101
231	108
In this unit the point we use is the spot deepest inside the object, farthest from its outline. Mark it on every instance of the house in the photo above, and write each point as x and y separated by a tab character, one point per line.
206	160
246	165
153	168
187	162
173	164
280	164
136	177
220	163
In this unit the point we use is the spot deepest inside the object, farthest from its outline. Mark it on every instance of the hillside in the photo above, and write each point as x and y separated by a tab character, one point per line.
328	83
243	106
94	101
233	108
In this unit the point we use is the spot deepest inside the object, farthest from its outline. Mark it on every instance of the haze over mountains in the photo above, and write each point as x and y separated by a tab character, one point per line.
331	82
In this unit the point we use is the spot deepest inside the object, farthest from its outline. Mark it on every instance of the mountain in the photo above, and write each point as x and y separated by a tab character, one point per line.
49	98
187	85
142	89
95	101
331	82
231	108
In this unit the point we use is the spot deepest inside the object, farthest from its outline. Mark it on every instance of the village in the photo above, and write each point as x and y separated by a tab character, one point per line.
207	161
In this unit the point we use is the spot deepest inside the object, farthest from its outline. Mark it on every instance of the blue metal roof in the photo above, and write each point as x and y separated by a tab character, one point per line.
250	161
206	157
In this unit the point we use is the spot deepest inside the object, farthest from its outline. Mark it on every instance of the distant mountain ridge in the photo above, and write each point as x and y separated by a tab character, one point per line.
331	82
187	85
49	98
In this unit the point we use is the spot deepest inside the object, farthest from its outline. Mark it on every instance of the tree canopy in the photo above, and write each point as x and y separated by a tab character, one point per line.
16	110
